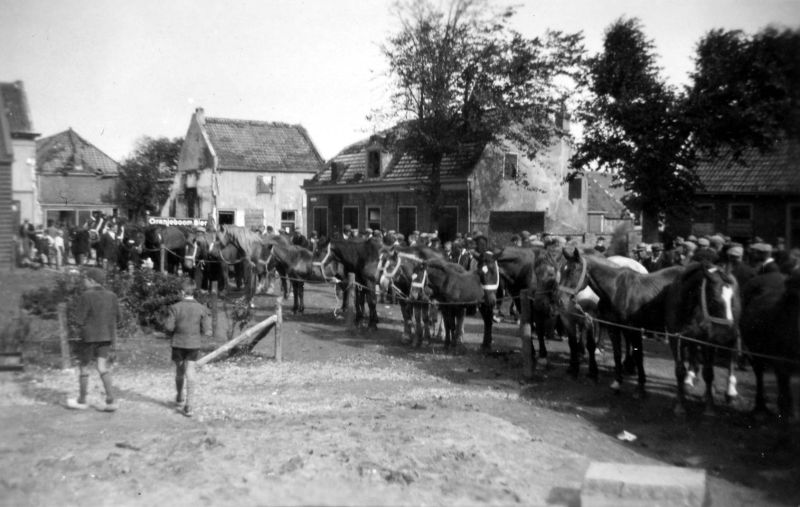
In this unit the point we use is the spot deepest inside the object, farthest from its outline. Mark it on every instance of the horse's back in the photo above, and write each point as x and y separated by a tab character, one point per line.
627	262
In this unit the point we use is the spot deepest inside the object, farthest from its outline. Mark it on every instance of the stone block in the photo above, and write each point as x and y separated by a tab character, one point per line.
619	485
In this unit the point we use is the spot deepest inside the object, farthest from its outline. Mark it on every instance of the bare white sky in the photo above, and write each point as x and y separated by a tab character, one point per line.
116	70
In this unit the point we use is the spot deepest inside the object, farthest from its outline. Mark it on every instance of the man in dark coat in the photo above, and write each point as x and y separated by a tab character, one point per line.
300	240
188	321
761	256
96	316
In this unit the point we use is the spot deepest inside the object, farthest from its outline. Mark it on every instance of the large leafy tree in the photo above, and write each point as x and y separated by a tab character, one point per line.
145	176
745	90
635	127
462	74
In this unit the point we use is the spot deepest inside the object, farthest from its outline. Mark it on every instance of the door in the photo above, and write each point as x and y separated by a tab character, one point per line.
320	221
406	220
448	223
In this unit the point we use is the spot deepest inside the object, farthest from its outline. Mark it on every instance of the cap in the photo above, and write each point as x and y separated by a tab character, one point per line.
703	242
525	234
736	251
641	246
537	243
96	274
762	247
657	247
716	239
691	245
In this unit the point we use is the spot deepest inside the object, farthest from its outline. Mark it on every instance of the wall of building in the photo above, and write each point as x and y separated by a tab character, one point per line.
23	179
770	218
539	187
237	191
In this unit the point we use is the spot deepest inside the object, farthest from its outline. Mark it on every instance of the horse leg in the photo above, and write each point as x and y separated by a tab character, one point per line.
295	297
708	378
447	317
616	344
425	308
300	294
629	364
574	342
458	340
407	311
487	312
635	339
784	393
680	374
761	400
373	306
418	330
731	393
590	331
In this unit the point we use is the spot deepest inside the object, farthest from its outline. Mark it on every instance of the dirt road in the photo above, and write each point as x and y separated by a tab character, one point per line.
357	418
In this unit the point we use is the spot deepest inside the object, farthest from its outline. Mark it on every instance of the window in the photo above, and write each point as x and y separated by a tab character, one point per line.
575	189
288	220
373	164
510	166
406	220
321	221
265	184
227	217
374	218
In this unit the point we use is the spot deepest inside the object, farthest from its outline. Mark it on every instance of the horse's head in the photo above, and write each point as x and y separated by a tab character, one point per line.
546	269
720	302
571	275
488	274
419	281
388	267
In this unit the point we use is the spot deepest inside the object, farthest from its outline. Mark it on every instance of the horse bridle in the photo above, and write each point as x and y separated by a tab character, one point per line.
579	286
492	286
727	322
321	264
391	274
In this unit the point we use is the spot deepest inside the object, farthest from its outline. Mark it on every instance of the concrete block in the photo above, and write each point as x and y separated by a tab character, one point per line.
618	485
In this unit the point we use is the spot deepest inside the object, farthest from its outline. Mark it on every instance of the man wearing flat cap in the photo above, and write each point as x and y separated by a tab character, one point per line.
761	257
735	266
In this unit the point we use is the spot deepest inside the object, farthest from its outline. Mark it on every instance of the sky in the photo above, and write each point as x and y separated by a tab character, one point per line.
117	70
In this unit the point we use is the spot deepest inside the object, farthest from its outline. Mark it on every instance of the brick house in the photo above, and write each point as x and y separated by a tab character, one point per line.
759	196
242	172
494	188
23	144
75	178
8	219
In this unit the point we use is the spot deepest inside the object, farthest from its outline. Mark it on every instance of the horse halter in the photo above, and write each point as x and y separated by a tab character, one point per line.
495	285
579	286
321	264
728	319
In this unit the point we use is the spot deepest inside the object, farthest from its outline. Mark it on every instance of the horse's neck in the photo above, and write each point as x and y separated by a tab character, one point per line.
602	278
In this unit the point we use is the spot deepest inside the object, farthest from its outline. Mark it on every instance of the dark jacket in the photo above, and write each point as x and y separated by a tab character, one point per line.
769	267
188	320
97	314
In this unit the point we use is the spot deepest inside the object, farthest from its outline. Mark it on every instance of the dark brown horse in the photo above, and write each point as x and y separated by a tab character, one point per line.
396	268
455	289
625	297
297	265
361	258
702	304
771	327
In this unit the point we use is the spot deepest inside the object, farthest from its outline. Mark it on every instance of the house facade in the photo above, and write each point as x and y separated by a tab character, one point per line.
23	141
493	188
756	196
242	172
8	220
74	179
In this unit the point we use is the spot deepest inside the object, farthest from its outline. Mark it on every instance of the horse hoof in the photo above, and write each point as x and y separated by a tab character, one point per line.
615	386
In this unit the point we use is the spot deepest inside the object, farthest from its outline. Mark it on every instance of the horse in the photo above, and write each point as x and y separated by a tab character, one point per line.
702	304
577	315
455	289
80	244
625	297
770	326
213	262
173	238
251	250
130	247
360	257
396	267
295	263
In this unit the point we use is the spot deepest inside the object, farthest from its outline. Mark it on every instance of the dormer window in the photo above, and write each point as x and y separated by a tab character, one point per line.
510	166
373	164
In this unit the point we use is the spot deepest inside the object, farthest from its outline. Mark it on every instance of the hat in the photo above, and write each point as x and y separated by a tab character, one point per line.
96	274
657	247
703	243
368	230
691	245
692	237
736	251
525	234
538	243
347	228
641	246
716	239
762	247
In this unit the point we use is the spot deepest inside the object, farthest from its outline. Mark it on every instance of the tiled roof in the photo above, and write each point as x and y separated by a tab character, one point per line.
245	145
352	161
773	172
603	197
55	189
19	118
69	151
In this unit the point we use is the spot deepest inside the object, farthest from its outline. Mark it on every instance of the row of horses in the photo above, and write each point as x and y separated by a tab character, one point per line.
700	307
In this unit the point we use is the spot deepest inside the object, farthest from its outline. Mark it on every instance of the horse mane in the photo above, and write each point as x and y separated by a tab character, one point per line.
445	266
242	238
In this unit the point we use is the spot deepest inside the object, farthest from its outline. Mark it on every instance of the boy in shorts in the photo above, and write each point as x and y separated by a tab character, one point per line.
188	321
97	312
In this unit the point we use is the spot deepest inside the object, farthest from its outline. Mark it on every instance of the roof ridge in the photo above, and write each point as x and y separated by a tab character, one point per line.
218	119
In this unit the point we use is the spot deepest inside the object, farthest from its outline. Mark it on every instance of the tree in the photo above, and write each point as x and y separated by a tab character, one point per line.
145	176
465	76
745	90
635	127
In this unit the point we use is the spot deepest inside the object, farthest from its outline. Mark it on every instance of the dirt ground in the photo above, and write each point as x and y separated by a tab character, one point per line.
358	418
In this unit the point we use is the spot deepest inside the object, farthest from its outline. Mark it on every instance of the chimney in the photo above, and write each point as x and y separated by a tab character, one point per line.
200	114
334	172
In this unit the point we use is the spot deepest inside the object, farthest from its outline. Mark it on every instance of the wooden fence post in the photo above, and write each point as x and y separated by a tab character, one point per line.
63	335
278	334
350	295
214	288
258	330
525	335
163	258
